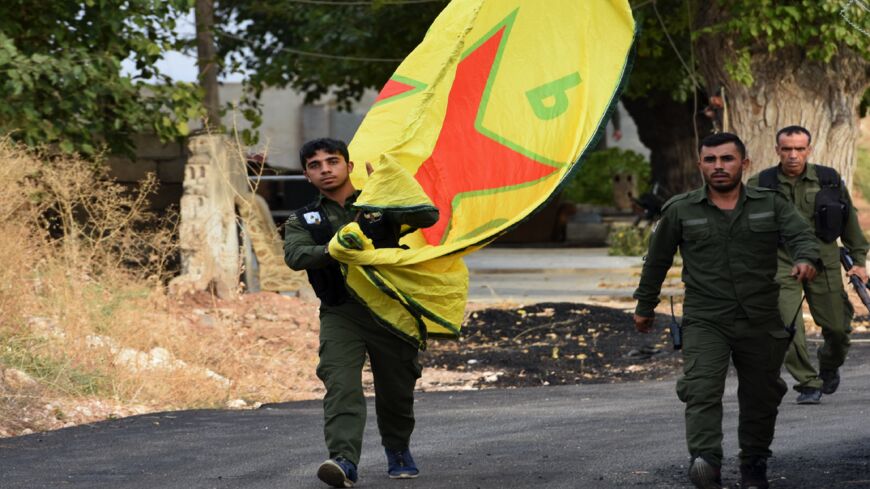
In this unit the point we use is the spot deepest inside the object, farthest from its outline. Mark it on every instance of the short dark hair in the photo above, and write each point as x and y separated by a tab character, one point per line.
331	146
789	130
721	138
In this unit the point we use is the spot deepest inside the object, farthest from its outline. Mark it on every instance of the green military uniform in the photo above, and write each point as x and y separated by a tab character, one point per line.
348	332
829	304
729	264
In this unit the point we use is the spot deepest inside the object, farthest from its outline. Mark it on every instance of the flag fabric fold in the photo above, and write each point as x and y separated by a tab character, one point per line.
485	120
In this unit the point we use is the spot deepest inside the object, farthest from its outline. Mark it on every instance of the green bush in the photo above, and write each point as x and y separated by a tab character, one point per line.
628	241
593	182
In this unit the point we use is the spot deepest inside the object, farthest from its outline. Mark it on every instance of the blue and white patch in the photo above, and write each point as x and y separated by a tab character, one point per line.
312	217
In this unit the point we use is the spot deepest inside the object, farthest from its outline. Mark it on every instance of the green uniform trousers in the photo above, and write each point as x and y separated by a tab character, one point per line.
831	310
757	354
347	333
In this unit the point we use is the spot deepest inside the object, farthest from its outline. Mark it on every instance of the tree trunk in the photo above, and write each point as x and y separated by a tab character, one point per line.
206	54
666	128
792	90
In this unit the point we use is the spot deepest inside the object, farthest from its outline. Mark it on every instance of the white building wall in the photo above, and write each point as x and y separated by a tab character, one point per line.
288	122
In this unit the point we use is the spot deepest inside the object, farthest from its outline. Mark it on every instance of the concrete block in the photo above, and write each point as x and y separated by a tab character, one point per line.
126	170
586	233
168	194
171	171
624	188
149	146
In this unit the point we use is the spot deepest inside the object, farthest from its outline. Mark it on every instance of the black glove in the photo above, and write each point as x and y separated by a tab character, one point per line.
379	229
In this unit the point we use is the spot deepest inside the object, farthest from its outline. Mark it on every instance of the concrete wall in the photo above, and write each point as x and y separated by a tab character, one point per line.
167	160
288	121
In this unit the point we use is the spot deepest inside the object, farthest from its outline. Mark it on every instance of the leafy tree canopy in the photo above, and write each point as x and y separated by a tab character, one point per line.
320	46
60	73
820	29
670	29
664	40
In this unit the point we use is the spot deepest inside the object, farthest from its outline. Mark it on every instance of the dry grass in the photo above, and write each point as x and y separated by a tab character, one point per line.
84	317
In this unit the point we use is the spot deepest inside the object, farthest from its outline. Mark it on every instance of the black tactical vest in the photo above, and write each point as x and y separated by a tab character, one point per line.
328	283
830	212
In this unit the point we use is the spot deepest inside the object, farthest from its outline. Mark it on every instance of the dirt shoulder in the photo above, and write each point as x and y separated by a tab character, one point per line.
507	346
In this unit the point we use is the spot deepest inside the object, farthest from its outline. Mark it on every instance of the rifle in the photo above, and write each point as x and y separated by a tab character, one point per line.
676	329
860	287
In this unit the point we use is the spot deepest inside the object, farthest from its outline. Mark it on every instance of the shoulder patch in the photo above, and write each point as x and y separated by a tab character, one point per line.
292	219
312	217
675	198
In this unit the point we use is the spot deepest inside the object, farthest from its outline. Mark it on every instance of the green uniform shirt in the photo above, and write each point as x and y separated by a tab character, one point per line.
729	262
300	250
802	193
302	253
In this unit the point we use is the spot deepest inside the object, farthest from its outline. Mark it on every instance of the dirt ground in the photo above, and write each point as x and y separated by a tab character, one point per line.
506	346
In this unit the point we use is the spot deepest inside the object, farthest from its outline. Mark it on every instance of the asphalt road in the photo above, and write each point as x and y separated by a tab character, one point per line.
528	275
585	436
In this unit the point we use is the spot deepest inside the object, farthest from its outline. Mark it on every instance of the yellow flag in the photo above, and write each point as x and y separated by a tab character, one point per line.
485	120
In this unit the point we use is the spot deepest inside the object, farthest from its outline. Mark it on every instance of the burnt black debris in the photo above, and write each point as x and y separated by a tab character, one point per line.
555	344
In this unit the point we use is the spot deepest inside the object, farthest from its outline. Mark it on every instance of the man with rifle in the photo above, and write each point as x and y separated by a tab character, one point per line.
820	196
727	234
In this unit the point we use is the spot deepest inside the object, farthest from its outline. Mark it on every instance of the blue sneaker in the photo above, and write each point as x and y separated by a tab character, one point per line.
337	472
808	395
400	464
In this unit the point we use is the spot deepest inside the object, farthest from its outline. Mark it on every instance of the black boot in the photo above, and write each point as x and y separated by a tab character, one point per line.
753	474
830	380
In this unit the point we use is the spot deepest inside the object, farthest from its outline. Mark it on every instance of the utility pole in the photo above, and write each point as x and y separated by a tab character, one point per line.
207	61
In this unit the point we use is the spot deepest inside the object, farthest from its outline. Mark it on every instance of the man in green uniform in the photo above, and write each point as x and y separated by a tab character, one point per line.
727	235
348	330
801	184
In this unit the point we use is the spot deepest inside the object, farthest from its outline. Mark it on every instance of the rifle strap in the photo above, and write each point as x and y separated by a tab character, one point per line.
768	178
791	327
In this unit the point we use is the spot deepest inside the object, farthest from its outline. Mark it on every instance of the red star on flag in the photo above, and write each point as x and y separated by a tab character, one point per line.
464	160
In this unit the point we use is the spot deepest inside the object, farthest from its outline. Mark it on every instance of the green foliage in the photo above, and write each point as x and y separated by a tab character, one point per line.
316	49
593	183
628	241
60	73
669	29
657	66
819	29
